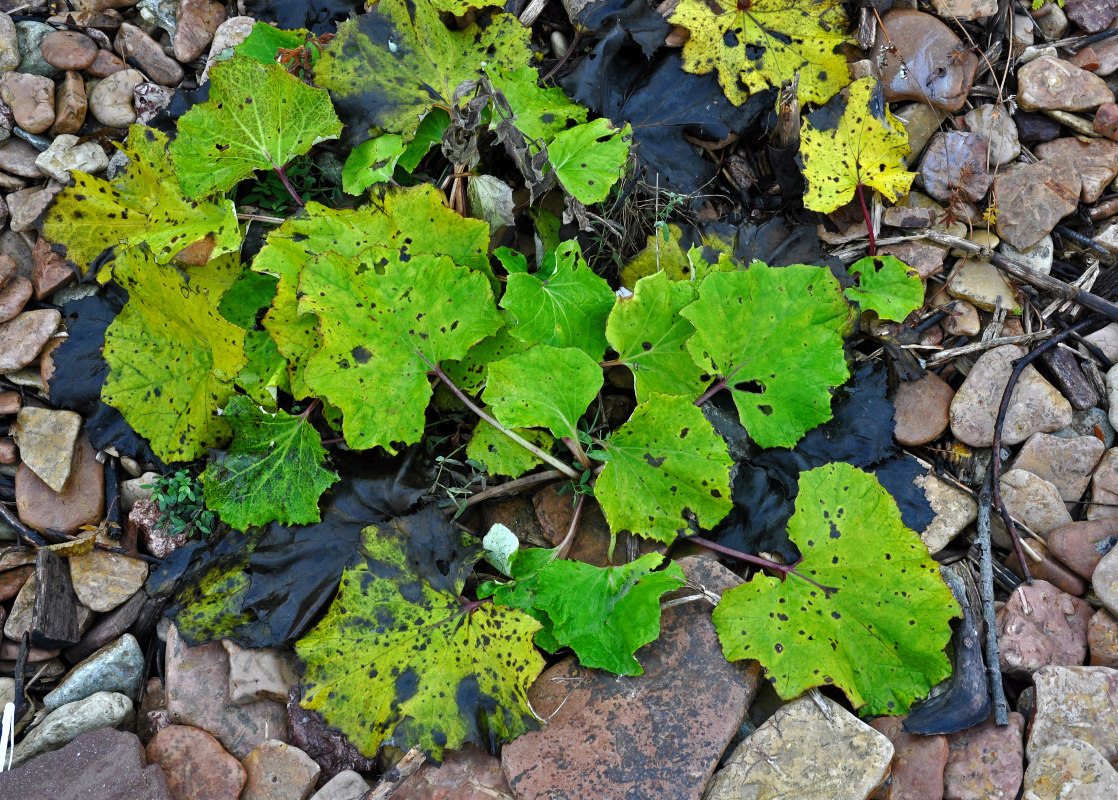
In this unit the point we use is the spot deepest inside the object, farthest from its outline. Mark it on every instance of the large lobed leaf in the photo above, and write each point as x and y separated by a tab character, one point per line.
385	319
172	359
665	467
775	335
272	472
853	141
399	659
886	286
258	116
877	630
387	68
757	45
142	204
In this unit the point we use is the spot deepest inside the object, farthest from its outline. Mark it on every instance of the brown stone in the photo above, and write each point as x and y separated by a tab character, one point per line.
69	50
1081	545
659	734
1032	198
10	402
1106	120
1102	639
920	409
80	503
278	771
197	21
1047	83
14	297
554	512
926	259
985	762
70	104
103	580
106	64
46	361
1066	463
31	98
22	338
196	765
1104	487
12	580
1076	702
50	272
1047	569
1097	161
918	763
919	58
954	164
46	438
1040	626
18	157
1092	16
159	67
466	774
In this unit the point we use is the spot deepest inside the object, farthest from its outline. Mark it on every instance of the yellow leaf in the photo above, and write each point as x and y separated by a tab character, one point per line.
853	140
757	45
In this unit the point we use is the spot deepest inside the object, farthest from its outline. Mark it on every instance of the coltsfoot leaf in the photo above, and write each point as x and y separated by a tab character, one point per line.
397	661
877	630
273	471
775	335
565	304
650	338
758	45
142	204
885	285
665	466
853	140
501	455
604	614
543	387
385	319
259	116
172	359
588	159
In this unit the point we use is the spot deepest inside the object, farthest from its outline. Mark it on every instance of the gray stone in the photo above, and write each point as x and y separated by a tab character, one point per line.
1065	463
46	440
954	164
66	154
1033	198
9	44
1105	580
1035	405
347	785
228	35
197	20
995	123
1075	703
27	204
259	673
110	102
1070	770
104	764
805	752
31	35
1106	339
983	284
104	580
18	158
116	667
64	724
1032	500
1037	258
954	511
1089	422
278	771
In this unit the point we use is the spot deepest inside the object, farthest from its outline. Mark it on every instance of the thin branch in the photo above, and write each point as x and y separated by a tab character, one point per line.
986	588
566	469
784	570
515	486
565	546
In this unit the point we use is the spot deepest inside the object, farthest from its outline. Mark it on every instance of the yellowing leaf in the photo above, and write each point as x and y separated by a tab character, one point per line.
258	117
758	45
143	203
172	359
853	140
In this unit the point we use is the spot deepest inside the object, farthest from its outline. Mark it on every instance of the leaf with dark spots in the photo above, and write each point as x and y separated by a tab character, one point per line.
285	575
80	370
435	674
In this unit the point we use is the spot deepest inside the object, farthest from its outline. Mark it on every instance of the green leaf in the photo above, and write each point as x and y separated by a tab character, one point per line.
650	338
885	285
258	116
543	387
264	42
246	296
879	629
384	322
666	464
142	204
272	471
541	112
371	162
664	253
604	614
470	373
588	159
172	359
501	455
564	304
416	220
853	141
775	335
758	45
427	135
387	68
397	661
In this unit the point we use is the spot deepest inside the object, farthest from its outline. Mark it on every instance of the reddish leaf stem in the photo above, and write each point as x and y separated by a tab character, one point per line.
290	189
711	392
869	222
565	546
783	570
